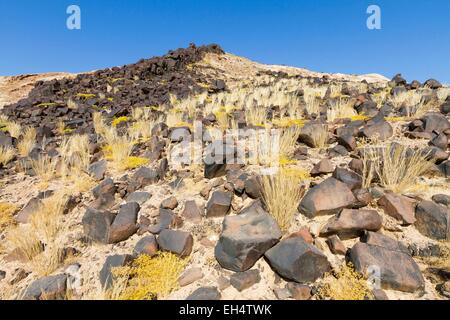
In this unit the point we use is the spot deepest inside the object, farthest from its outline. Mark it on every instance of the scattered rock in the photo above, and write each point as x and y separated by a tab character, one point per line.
147	245
192	212
441	199
398	207
381	130
336	246
253	187
304	234
190	276
97	225
350	178
29	209
352	223
244	280
299	291
433	220
245	238
397	270
219	205
97	170
106	276
177	242
125	223
205	294
47	288
296	260
325	166
170	203
104	194
327	198
139	197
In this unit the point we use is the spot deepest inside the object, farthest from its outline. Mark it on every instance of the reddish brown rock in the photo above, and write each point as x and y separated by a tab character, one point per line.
398	207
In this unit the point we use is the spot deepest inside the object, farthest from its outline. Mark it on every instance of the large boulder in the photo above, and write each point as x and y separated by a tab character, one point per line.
329	197
97	225
433	220
394	268
399	207
297	260
245	238
352	223
47	288
381	130
435	122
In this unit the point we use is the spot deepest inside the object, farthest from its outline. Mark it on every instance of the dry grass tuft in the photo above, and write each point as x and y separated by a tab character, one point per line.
320	137
281	194
346	284
27	142
288	141
44	167
256	116
6	155
75	153
342	108
148	278
7	211
395	166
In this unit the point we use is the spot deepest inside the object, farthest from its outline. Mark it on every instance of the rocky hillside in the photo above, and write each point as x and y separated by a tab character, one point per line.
203	175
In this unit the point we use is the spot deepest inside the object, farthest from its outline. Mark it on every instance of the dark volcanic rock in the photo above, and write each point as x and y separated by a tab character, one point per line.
381	130
47	288
350	178
192	212
125	223
296	260
177	242
97	225
219	205
328	197
398	207
245	238
106	276
205	294
146	245
433	220
245	280
352	223
397	270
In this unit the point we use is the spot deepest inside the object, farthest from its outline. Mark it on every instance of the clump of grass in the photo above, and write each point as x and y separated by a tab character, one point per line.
312	99
395	166
281	194
345	284
135	162
6	155
320	136
288	141
341	108
149	278
27	142
443	261
175	119
44	167
14	129
7	211
24	240
75	153
256	116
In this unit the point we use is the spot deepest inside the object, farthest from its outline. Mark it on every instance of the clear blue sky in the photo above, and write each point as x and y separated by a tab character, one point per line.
321	35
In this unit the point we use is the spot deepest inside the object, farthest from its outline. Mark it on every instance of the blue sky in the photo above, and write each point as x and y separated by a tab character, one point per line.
321	35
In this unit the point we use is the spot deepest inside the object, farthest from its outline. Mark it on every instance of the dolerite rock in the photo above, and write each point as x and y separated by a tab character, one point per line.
190	276
244	280
381	130
440	141
441	199
177	242
166	220
104	194
245	238
5	140
253	187
192	212
125	223
350	178
169	203
205	294
139	197
219	205
347	140
398	80
147	245
28	210
364	198
398	207
106	276
47	288
435	122
329	197
97	225
325	166
445	107
296	260
379	239
397	270
444	167
433	220
352	223
218	154
336	245
97	170
432	84
145	176
367	108
299	291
